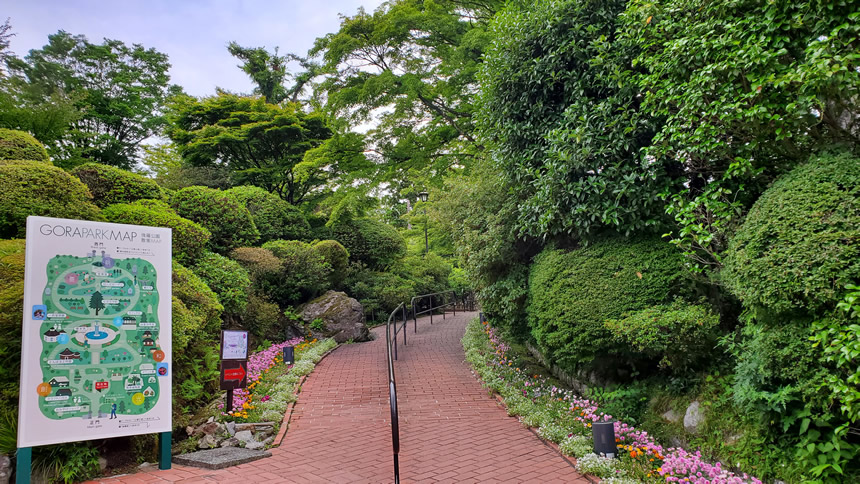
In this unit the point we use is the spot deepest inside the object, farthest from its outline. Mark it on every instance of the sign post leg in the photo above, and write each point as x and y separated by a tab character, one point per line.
164	444
23	465
229	406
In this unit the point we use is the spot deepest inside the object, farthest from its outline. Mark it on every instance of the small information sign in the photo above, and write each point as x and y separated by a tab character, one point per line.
234	374
234	345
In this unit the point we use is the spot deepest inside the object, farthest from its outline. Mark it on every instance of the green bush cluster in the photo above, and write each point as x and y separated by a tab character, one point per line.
110	185
261	316
11	309
227	278
196	307
275	218
376	244
18	145
189	238
677	335
225	217
304	271
572	293
336	256
798	247
36	188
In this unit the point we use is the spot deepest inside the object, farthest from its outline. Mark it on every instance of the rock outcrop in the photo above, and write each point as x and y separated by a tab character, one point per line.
342	316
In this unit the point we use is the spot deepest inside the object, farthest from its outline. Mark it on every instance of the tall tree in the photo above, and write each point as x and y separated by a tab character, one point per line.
260	143
269	72
409	67
122	92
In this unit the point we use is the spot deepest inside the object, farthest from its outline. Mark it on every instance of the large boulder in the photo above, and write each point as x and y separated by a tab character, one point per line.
342	316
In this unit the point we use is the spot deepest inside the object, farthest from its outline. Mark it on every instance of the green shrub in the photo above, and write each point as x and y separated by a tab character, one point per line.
11	308
261	317
677	334
35	188
18	145
378	292
221	213
336	256
189	238
572	293
304	274
195	304
227	278
428	274
110	185
374	243
799	245
274	217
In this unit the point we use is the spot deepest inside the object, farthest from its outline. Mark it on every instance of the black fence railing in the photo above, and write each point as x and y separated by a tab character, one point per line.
429	303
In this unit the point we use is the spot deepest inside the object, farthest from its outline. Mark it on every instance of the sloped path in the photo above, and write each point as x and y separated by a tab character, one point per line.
450	429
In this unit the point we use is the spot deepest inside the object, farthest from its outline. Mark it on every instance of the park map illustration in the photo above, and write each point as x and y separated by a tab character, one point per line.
101	356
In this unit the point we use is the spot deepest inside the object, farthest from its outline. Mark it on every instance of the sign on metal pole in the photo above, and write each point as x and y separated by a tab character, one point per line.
96	350
234	345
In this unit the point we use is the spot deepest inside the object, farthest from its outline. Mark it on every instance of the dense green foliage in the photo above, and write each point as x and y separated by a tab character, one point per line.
805	225
560	112
18	145
121	89
227	279
676	335
38	188
373	243
199	309
336	256
11	309
262	144
275	218
189	238
572	293
110	185
221	213
304	271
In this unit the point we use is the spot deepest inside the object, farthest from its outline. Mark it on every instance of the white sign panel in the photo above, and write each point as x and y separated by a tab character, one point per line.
234	345
96	358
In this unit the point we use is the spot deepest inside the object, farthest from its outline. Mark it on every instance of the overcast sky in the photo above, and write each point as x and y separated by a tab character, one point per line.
194	33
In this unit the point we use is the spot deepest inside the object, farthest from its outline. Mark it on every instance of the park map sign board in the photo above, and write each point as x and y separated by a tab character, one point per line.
96	346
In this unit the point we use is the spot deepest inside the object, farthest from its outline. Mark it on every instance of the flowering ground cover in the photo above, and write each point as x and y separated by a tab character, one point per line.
271	384
566	419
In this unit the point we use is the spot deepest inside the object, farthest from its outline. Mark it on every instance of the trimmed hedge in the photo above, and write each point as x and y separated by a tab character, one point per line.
19	145
375	243
189	238
274	217
221	213
195	307
34	188
572	293
11	309
110	184
227	278
264	268
304	271
336	256
798	246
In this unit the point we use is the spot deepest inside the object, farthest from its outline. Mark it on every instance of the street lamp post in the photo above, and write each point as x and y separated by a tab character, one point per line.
423	196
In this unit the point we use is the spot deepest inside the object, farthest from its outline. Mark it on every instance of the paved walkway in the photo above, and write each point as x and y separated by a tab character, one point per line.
450	429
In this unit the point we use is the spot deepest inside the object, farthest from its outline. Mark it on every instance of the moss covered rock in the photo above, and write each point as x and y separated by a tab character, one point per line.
110	185
18	145
34	188
342	316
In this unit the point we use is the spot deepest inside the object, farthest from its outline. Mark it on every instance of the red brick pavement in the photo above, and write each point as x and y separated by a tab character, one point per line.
450	429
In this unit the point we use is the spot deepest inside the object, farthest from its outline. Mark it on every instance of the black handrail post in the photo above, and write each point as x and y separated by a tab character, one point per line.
454	293
404	324
414	315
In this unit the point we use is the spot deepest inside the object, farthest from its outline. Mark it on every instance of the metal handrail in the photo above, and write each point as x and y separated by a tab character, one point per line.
392	386
392	382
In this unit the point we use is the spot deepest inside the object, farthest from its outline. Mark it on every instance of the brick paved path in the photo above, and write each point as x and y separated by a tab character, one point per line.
450	429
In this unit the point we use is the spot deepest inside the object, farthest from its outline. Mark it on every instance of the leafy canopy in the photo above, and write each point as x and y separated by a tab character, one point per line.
261	144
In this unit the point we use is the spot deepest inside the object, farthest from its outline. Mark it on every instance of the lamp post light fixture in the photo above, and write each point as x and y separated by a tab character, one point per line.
423	196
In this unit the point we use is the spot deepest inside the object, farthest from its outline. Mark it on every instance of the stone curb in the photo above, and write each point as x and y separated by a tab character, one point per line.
285	423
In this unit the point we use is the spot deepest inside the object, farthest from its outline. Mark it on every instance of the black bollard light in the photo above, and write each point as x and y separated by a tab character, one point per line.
288	355
604	438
